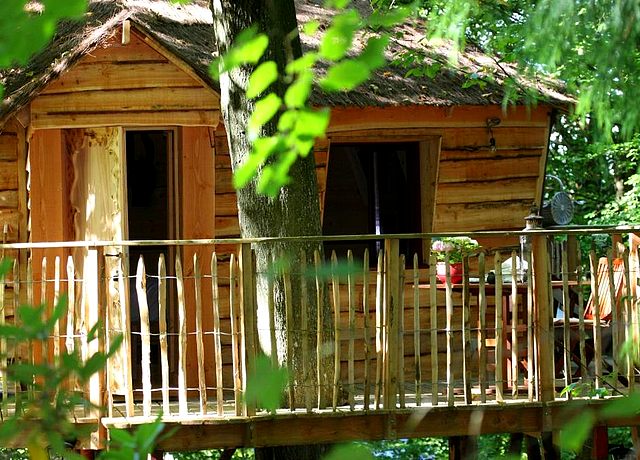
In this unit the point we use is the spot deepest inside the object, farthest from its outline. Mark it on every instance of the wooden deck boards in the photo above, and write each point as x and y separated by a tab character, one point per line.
322	426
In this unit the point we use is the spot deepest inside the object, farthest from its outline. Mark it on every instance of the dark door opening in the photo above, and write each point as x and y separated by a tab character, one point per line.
149	217
372	188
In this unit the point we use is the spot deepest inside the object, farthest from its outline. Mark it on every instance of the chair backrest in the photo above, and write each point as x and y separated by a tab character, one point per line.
634	263
604	289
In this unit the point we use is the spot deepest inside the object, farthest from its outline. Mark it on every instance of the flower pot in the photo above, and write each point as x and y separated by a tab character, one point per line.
455	271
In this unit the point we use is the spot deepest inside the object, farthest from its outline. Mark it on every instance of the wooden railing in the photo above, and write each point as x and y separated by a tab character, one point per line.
358	331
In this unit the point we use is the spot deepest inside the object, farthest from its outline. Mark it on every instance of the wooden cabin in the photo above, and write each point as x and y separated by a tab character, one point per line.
112	147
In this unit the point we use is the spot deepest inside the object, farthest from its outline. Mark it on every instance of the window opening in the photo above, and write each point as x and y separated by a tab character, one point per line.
372	188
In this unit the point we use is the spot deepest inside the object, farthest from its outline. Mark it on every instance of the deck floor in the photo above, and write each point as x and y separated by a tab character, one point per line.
194	411
196	431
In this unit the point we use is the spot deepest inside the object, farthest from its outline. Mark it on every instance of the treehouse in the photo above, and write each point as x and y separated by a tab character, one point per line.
116	188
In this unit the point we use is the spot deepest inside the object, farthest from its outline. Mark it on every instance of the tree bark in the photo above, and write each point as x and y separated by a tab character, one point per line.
295	211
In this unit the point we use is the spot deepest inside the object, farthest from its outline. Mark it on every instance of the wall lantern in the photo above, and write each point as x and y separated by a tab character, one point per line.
492	123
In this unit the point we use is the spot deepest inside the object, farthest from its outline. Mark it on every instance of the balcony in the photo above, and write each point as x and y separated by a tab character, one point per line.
372	339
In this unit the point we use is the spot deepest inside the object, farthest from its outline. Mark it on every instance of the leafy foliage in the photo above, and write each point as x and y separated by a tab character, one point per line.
424	448
25	29
125	445
350	451
453	248
265	384
603	177
589	44
44	418
298	124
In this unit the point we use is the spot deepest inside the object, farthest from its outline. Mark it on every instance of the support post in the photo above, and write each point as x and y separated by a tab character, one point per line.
572	257
248	303
392	304
600	446
540	280
463	447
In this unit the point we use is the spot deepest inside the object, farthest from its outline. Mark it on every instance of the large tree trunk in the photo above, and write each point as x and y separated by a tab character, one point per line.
295	211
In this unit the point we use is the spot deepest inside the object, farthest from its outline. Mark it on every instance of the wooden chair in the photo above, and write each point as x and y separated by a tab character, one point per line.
634	264
605	301
606	304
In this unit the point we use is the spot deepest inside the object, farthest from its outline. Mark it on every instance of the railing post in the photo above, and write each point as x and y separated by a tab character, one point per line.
248	306
543	328
94	279
392	303
572	257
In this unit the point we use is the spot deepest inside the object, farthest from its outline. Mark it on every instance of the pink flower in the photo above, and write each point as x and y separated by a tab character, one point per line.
442	246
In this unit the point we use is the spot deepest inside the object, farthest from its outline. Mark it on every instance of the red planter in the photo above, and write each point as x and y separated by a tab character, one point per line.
455	270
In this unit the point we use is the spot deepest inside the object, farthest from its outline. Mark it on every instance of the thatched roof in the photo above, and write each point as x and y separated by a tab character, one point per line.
186	31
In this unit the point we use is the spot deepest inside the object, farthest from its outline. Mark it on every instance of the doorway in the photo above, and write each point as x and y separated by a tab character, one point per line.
150	215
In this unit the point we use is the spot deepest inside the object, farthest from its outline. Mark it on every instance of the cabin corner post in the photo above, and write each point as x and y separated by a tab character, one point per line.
543	319
248	305
392	317
543	328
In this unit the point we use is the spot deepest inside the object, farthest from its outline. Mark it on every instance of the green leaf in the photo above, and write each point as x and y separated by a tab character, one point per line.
93	365
432	70
25	373
9	427
337	4
338	38
265	74
345	76
373	54
65	9
5	266
624	407
298	92
146	436
310	28
94	331
14	332
351	452
71	360
59	311
576	431
121	438
265	110
116	341
287	121
327	270
276	175
303	145
390	18
262	149
312	123
302	64
265	384
249	45
248	48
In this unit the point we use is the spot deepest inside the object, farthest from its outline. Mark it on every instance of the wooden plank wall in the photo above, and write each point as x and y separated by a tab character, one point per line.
125	85
478	188
197	208
13	202
49	200
12	158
